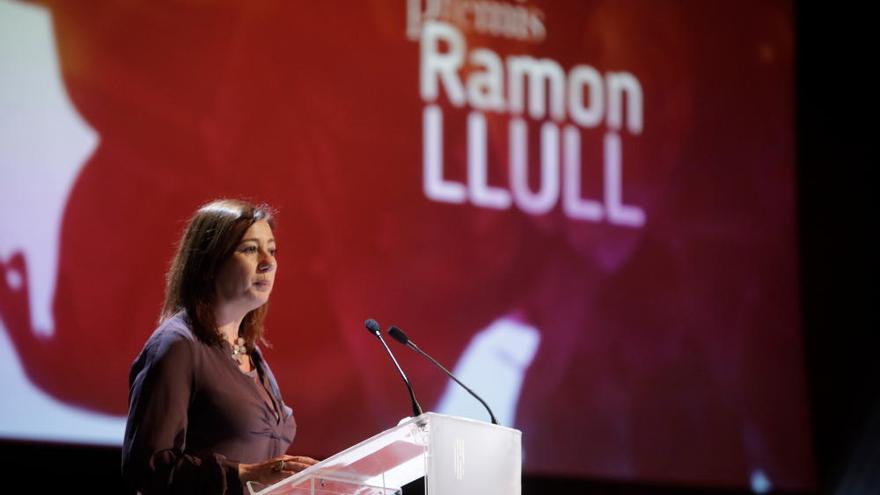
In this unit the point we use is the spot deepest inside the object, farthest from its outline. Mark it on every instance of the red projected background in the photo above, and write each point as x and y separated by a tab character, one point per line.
586	208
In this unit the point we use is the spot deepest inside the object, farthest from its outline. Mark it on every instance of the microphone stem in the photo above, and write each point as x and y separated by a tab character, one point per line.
412	344
417	408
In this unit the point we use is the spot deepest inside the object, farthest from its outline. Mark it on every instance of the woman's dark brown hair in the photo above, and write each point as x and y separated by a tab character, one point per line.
210	239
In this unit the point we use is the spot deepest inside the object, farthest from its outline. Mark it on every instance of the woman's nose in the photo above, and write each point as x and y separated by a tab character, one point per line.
267	263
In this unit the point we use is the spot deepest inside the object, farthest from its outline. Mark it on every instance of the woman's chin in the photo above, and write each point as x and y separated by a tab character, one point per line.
259	298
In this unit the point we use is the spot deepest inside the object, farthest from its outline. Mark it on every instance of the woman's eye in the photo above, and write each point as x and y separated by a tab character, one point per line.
249	249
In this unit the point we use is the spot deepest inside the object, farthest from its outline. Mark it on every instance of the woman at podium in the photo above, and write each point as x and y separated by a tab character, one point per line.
205	412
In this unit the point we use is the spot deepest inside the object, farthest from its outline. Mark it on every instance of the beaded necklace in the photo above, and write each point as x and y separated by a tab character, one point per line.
239	350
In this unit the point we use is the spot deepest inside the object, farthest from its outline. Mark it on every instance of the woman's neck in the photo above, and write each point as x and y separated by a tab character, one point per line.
228	322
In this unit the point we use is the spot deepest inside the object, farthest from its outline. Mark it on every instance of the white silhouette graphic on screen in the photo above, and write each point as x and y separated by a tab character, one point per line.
493	365
44	144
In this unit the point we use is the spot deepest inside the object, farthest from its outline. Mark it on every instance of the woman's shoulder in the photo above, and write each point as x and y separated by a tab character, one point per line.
174	329
173	336
170	349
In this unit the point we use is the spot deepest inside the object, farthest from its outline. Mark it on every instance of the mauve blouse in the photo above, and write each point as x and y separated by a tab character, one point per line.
193	416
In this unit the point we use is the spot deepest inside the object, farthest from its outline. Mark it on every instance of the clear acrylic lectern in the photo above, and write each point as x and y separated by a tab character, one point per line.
457	456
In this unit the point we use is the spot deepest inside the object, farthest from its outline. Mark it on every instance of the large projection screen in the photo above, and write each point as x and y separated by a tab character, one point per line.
585	208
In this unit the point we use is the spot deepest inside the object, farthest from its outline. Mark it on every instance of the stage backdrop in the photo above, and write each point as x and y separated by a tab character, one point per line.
587	208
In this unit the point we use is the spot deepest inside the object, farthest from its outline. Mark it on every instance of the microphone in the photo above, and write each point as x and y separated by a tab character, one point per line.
373	327
398	335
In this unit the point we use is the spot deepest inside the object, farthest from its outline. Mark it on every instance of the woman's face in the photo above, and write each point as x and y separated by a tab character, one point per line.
245	280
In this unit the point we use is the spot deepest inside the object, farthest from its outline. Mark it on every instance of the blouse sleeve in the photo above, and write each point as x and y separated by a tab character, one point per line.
154	455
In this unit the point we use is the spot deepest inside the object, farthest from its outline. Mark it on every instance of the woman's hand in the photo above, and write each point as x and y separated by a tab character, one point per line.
275	469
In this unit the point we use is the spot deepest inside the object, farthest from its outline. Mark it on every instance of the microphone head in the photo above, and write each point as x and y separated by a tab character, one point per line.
372	326
398	335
